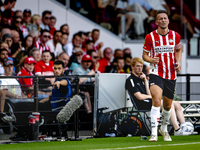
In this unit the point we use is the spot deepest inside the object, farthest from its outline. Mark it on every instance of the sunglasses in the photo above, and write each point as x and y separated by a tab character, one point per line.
47	18
45	36
95	57
18	22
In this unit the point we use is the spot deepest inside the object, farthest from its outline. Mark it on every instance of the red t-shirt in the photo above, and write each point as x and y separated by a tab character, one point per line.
102	64
44	69
163	47
26	82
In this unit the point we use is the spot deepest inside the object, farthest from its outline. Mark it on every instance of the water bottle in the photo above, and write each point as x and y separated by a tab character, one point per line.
143	137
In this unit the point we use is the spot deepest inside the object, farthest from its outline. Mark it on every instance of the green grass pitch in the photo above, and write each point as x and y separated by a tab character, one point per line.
118	143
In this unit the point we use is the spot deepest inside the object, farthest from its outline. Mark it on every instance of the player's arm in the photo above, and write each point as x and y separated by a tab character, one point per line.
178	56
147	58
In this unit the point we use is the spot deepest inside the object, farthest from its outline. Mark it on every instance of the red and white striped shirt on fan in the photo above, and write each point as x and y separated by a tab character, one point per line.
40	47
163	46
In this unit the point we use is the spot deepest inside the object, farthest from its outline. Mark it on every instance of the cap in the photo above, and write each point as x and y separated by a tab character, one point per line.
87	58
8	62
27	11
76	50
7	36
29	60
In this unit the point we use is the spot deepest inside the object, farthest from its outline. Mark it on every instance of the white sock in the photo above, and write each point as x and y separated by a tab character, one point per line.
165	119
155	116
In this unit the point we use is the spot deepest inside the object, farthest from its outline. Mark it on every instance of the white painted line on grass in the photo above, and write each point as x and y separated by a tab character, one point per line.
136	147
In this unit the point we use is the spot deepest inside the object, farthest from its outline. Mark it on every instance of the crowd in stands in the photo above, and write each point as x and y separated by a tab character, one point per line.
139	14
30	44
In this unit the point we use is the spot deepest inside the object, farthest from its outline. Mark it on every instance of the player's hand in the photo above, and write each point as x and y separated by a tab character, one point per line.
142	76
177	67
156	60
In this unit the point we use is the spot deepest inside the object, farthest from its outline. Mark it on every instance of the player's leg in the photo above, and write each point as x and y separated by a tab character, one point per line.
168	94
156	93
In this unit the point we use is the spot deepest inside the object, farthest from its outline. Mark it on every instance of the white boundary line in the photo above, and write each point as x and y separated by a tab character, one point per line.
136	147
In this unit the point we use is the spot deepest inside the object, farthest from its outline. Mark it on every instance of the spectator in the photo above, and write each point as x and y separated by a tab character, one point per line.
27	83
106	60
34	34
54	44
8	5
119	68
64	57
65	29
5	19
5	31
61	92
52	26
3	57
44	67
127	66
83	69
83	37
142	7
76	58
27	46
76	41
124	9
16	37
16	24
10	88
118	53
89	44
95	58
18	13
64	41
46	16
35	53
35	23
97	46
41	43
8	39
27	17
127	51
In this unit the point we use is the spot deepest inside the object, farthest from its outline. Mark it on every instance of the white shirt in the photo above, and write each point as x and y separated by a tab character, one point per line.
69	48
56	50
42	26
2	71
11	84
157	4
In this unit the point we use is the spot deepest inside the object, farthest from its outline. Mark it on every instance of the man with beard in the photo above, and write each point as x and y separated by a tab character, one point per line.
61	91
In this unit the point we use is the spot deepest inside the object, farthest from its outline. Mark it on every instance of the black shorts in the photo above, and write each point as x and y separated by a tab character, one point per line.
168	86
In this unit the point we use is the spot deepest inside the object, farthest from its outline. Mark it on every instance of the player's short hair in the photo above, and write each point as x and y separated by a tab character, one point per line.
136	59
160	12
58	62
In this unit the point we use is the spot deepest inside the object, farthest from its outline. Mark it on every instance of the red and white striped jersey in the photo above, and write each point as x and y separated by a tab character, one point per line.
40	47
163	46
24	30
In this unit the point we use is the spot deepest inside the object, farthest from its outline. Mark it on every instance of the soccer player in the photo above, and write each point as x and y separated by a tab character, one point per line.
165	57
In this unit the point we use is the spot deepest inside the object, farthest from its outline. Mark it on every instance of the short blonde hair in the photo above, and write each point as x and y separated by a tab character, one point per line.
136	59
34	18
